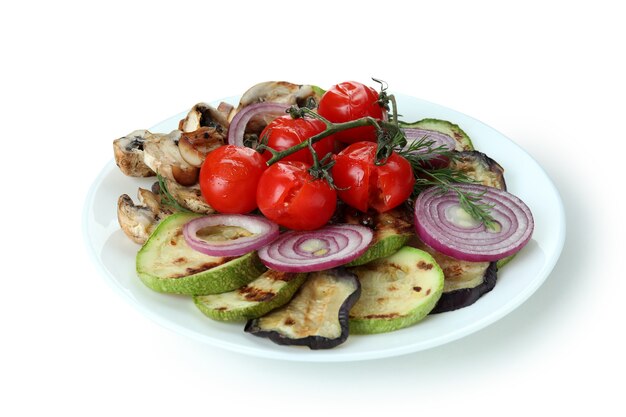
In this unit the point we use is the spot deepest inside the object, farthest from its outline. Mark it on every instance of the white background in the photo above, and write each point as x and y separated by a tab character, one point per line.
74	76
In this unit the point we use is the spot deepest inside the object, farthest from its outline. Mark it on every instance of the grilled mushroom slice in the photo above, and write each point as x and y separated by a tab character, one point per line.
204	129
139	220
189	197
205	115
162	155
194	146
274	92
128	151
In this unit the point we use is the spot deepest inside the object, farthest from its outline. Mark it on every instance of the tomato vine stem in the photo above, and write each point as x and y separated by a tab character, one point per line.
331	128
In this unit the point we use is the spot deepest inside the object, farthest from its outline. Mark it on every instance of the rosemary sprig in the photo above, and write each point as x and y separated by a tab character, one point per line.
166	197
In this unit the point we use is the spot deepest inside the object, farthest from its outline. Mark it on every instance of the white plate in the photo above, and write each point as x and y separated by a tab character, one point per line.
114	253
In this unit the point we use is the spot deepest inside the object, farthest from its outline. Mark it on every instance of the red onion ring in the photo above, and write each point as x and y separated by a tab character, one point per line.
240	121
439	225
308	251
437	138
264	232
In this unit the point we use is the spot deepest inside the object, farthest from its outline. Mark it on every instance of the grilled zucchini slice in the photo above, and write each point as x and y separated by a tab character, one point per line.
317	316
392	230
397	291
165	263
269	291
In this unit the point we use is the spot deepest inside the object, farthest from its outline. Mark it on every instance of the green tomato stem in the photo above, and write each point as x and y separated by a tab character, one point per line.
331	128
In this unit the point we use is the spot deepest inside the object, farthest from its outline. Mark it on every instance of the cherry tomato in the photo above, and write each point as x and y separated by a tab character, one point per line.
362	184
350	101
229	177
285	132
290	196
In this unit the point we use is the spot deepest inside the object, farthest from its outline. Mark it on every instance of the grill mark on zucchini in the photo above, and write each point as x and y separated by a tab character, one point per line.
270	290
256	294
425	266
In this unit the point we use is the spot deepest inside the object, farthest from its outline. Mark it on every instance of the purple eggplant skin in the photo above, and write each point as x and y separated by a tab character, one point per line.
463	297
316	342
480	167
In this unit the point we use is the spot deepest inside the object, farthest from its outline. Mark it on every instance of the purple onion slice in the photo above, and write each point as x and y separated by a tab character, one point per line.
307	251
262	232
444	225
437	138
240	121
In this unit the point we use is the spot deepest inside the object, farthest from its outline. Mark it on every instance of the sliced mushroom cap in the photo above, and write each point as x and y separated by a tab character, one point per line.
188	197
205	115
139	220
162	155
275	92
129	154
278	92
194	146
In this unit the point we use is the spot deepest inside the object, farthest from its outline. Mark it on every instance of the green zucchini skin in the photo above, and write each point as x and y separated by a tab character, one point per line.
269	291
297	323
382	248
203	274
397	291
463	141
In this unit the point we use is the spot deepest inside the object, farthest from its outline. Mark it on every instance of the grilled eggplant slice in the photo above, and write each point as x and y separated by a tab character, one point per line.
397	291
392	230
480	167
269	291
464	283
463	142
317	316
165	263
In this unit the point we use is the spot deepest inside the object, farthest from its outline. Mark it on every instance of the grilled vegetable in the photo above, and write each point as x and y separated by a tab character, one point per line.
442	223
392	230
463	142
465	282
269	291
317	316
165	263
480	167
397	291
317	250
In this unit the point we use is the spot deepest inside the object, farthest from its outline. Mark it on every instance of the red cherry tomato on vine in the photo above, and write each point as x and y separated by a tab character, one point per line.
290	196
229	177
362	184
285	132
349	101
